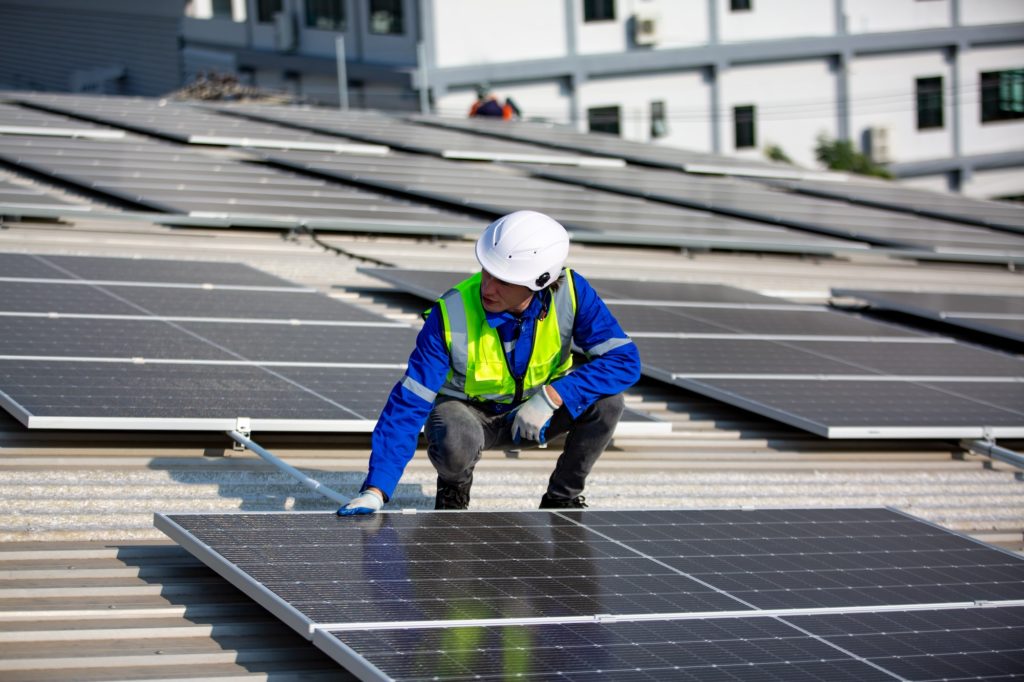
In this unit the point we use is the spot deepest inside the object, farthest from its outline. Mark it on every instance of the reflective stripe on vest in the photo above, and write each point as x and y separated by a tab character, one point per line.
479	367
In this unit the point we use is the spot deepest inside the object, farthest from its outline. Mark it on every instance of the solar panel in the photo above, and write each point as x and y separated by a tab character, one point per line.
380	128
1001	316
108	343
834	374
15	120
590	215
180	180
667	594
755	201
863	407
564	137
188	124
899	197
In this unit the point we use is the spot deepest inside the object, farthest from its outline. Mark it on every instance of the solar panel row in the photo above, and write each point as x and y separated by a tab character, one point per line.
159	344
377	128
834	374
591	216
730	594
751	200
1001	316
183	181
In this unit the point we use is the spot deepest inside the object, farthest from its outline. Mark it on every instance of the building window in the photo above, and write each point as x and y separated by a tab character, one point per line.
659	124
386	17
266	9
327	15
1002	95
929	103
741	5
603	120
743	121
598	10
221	9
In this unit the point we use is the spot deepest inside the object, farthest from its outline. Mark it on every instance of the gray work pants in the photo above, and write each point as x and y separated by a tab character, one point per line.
458	432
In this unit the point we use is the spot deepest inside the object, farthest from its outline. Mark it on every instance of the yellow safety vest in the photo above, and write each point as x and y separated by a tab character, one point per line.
479	367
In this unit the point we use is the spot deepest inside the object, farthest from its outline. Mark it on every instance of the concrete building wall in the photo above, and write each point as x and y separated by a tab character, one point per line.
686	98
473	32
772	19
883	94
975	12
874	16
993	136
109	46
794	101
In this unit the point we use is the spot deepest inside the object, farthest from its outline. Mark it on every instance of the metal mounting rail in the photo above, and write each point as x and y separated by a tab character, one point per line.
311	483
990	449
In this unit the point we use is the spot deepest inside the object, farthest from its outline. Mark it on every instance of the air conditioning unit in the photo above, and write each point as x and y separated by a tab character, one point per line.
878	144
284	31
645	27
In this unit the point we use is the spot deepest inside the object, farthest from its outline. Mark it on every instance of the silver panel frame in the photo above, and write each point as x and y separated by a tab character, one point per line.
321	634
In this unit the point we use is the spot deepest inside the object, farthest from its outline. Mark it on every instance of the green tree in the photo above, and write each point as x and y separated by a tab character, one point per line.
775	153
840	155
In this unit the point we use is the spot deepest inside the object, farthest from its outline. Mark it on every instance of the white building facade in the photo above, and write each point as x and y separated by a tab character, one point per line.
933	88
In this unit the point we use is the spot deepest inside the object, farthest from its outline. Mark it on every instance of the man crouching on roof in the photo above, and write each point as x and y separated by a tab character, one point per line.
493	367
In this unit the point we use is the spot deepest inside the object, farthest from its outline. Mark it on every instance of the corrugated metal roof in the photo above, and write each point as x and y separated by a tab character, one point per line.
91	591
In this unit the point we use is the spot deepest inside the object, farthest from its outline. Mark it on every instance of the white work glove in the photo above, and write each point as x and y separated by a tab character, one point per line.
366	502
533	417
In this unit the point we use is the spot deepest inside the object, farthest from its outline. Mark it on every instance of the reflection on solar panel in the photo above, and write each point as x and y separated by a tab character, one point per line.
380	128
181	180
833	374
1001	316
18	199
591	215
754	201
564	137
16	120
183	123
935	204
669	594
108	343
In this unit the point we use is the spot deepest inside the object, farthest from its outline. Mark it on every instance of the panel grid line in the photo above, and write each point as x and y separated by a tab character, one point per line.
211	343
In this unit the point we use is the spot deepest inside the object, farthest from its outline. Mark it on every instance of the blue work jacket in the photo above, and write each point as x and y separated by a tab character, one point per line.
612	368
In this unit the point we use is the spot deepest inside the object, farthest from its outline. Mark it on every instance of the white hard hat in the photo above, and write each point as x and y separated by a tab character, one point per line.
524	247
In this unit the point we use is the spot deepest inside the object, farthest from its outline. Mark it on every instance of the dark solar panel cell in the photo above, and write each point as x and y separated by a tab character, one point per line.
129	391
173	271
103	338
931	359
735	356
867	405
309	343
82	299
299	305
759	649
28	265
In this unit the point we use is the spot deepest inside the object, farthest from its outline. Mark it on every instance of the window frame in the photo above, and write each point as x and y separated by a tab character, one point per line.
397	8
265	10
659	119
613	125
930	103
340	23
598	10
741	5
995	105
744	123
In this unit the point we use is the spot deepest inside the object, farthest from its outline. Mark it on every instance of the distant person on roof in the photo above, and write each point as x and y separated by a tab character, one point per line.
493	368
487	106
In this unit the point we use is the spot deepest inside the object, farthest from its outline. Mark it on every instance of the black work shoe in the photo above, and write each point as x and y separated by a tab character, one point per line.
452	496
548	502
